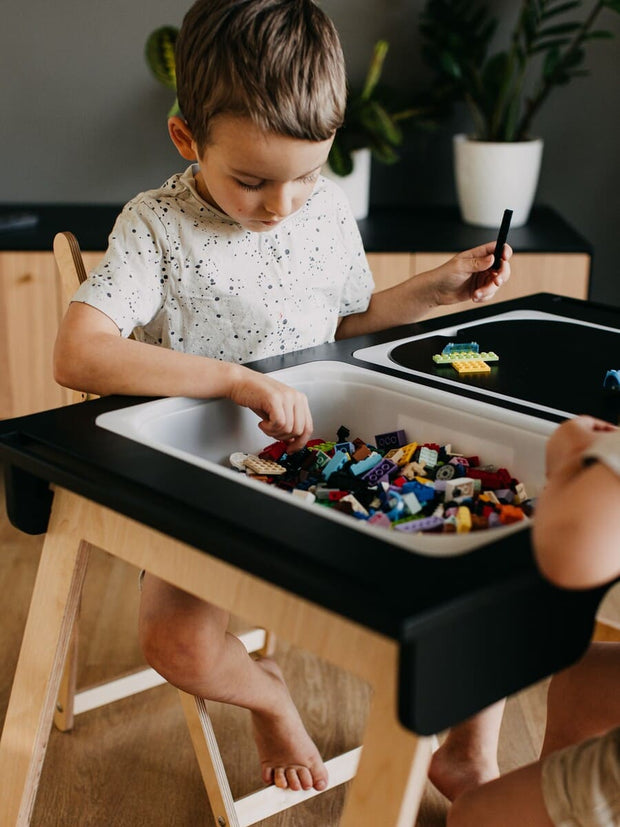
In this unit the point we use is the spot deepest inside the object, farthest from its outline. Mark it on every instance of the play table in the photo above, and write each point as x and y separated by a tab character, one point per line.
439	630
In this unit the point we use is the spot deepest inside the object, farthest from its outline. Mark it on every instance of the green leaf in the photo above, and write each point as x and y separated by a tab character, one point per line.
375	69
378	124
339	160
556	42
561	9
561	28
552	60
384	152
614	5
599	34
159	54
450	65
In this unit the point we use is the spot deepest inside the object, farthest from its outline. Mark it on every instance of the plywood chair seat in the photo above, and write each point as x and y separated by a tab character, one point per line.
227	811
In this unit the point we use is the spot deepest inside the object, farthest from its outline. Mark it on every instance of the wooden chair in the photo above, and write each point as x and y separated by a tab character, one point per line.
70	702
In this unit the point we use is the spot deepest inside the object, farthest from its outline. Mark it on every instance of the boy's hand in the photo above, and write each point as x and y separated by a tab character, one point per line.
468	275
284	412
568	442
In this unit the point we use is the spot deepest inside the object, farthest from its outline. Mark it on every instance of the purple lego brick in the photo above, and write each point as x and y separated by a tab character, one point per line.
425	524
391	439
381	471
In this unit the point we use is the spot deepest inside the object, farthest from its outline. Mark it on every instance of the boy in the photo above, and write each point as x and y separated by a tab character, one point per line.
248	254
577	779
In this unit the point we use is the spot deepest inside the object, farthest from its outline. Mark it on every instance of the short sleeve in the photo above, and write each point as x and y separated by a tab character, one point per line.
358	282
606	449
129	285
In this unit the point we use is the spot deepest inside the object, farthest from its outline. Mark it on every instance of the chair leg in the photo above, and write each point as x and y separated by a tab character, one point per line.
269	646
47	636
64	714
209	760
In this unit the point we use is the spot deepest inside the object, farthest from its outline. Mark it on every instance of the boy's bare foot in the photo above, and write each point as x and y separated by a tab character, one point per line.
454	773
287	754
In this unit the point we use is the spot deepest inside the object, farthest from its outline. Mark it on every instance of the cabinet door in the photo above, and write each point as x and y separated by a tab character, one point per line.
389	269
29	315
29	320
566	274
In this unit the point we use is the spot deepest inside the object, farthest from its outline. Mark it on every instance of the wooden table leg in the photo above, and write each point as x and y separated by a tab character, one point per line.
392	772
53	610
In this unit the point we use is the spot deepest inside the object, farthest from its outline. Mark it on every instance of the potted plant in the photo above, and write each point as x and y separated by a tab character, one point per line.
371	129
497	165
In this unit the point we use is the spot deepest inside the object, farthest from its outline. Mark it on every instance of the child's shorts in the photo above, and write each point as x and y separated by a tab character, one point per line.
581	784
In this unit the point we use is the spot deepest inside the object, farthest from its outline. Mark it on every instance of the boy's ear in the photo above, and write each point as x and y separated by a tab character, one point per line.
182	138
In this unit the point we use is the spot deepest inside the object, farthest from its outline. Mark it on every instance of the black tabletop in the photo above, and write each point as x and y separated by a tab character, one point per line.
386	230
471	628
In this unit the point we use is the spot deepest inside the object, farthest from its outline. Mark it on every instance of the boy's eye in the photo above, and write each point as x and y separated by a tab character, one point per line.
309	179
250	187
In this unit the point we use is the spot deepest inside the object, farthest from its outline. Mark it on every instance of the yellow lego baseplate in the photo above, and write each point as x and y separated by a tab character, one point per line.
471	366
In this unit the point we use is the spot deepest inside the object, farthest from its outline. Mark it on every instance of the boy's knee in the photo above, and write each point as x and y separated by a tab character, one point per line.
179	650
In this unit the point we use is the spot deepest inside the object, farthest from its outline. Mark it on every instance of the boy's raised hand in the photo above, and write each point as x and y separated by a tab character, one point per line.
284	412
468	275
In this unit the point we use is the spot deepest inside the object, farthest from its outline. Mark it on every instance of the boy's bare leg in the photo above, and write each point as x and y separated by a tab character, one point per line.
186	640
468	755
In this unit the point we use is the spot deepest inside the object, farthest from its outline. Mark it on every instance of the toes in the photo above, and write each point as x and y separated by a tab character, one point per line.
320	784
292	777
279	778
305	778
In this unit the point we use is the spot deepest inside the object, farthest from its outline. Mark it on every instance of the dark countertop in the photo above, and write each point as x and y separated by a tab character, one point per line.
386	230
471	628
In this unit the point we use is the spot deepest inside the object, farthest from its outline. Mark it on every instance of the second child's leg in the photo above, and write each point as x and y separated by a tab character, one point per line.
468	756
186	640
584	700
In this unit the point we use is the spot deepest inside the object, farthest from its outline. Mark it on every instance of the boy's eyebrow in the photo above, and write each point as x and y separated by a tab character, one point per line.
260	177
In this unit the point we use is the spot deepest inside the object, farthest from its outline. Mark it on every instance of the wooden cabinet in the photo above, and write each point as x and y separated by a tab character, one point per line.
30	310
566	274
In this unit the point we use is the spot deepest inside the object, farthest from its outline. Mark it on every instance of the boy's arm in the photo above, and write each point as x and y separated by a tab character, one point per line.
465	276
91	355
576	530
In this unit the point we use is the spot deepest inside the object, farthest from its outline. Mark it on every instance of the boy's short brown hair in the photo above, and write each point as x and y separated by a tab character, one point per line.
278	62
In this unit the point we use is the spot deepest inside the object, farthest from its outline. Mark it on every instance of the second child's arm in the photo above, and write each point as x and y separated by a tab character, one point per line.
91	355
576	531
466	276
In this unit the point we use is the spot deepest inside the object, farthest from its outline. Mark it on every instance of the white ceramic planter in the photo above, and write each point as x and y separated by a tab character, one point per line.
491	177
356	186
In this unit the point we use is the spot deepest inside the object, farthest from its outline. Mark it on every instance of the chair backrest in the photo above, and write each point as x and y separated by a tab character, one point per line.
72	273
70	265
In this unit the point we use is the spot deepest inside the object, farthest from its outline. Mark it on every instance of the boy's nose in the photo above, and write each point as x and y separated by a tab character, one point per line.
278	201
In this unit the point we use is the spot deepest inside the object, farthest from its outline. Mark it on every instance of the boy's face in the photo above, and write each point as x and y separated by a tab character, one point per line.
257	178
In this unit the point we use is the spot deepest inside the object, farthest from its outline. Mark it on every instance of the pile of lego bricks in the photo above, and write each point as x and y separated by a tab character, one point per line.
395	483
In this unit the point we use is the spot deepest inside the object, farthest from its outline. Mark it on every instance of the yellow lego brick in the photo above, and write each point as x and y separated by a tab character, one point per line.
471	366
408	451
463	520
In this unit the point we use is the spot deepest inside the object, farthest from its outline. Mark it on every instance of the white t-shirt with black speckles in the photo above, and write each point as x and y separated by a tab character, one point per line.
181	274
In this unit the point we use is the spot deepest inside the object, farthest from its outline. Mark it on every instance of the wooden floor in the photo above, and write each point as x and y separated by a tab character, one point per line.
131	763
